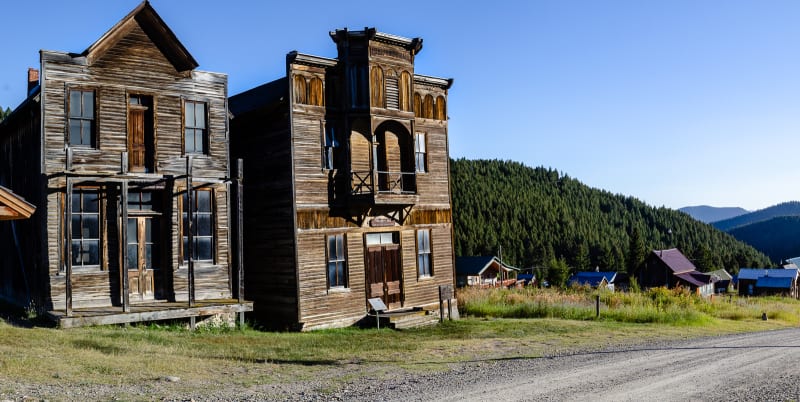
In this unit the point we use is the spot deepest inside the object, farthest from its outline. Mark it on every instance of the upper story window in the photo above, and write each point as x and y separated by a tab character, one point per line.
195	134
376	87
418	105
85	223
300	89
420	153
337	261
329	145
81	118
427	107
405	92
202	226
440	112
424	264
316	92
392	93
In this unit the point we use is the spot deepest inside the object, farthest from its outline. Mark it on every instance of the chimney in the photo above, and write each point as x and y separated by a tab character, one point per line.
33	79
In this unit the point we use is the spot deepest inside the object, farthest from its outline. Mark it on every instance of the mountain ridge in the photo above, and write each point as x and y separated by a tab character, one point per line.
708	214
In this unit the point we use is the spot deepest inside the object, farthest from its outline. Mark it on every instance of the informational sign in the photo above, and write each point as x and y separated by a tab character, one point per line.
377	304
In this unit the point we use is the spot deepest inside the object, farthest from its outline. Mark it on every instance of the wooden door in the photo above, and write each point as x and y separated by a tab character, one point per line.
136	140
384	274
143	257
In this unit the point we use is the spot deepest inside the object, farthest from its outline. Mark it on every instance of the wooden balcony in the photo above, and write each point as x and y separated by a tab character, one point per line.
393	188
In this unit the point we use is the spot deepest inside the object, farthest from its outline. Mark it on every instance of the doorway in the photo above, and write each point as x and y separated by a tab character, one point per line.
141	136
144	257
384	268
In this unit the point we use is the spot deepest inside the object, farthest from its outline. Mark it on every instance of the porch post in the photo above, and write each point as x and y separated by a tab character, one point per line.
190	229
240	235
123	239
68	229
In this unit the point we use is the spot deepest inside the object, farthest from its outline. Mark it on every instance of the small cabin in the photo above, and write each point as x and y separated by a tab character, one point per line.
484	271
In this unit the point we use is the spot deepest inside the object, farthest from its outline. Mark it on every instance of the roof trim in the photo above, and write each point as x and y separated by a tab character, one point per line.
445	83
155	28
13	206
310	60
412	44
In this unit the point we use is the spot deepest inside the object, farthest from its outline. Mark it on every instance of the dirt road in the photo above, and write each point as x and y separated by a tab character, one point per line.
757	366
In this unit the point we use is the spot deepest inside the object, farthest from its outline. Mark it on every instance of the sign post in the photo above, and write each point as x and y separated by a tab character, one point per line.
378	306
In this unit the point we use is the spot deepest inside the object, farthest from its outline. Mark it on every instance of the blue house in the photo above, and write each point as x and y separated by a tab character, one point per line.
778	281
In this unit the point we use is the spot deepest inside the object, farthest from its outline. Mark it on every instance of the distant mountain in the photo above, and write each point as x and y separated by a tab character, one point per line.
778	238
707	214
791	208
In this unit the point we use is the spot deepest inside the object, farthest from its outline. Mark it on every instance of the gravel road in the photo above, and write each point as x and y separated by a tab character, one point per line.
762	366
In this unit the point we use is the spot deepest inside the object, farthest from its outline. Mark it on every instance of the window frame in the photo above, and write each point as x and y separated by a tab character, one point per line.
195	237
329	145
82	118
420	152
80	238
340	241
204	131
424	249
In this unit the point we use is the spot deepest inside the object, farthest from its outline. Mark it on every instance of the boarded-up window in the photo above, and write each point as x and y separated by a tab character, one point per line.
195	129
300	89
202	225
441	108
337	261
418	105
81	118
376	87
316	95
85	216
424	263
405	91
427	107
392	95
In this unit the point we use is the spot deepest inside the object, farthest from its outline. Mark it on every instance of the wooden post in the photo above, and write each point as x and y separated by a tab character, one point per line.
190	248
240	234
597	304
68	229
123	239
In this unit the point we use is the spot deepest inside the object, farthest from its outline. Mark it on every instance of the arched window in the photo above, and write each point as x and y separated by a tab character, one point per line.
316	94
418	105
376	87
405	91
299	89
427	107
441	108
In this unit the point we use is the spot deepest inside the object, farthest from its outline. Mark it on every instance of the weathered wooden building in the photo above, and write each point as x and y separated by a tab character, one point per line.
124	149
347	192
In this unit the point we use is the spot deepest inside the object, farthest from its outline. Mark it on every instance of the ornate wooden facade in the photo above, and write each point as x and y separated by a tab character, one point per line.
106	145
347	192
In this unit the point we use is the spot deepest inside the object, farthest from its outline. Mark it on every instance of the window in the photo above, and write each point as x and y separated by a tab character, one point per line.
392	93
337	262
376	86
427	107
418	105
316	96
329	144
81	118
195	136
420	152
424	253
85	223
405	91
202	225
300	89
441	108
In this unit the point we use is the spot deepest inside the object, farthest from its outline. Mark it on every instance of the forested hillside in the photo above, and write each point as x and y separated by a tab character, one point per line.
540	216
778	238
791	208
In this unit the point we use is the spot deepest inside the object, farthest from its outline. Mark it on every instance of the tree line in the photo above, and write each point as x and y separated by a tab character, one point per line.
542	218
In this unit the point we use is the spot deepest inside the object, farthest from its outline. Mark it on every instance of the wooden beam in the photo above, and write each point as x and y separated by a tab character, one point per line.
123	240
68	229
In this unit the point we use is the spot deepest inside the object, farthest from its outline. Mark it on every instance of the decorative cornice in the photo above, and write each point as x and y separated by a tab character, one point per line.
310	60
445	83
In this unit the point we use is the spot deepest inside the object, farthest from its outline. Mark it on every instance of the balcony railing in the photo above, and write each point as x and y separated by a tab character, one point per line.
388	183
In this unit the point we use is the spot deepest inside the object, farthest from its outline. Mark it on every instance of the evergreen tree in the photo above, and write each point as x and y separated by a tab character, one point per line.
557	272
636	251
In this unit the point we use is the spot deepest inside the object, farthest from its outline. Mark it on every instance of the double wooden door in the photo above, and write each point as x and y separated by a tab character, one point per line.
384	274
143	257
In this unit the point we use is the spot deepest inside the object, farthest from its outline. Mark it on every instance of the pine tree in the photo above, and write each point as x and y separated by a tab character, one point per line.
636	251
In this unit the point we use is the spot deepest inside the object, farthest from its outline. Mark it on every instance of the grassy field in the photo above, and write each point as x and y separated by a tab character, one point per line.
233	357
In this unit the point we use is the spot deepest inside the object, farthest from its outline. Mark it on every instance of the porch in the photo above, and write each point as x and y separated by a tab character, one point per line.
151	311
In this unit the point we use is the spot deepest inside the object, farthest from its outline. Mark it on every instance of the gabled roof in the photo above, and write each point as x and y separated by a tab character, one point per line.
477	265
13	206
592	278
795	261
754	274
155	28
720	275
695	278
674	260
774	282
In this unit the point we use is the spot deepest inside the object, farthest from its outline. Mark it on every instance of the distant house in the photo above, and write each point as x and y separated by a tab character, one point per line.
792	262
722	280
670	268
483	271
761	282
595	279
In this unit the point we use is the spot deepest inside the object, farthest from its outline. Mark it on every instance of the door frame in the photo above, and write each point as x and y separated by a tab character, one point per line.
387	287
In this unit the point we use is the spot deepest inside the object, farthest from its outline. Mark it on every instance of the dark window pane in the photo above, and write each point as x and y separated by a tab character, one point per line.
91	226
203	201
185	225
203	251
76	226
148	230
132	237
203	225
76	252
74	103
92	249
189	114
340	247
88	104
133	256
185	248
148	255
86	133
332	273
200	115
74	132
90	202
189	138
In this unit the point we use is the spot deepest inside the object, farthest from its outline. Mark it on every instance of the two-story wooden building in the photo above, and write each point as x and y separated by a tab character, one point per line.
347	193
124	150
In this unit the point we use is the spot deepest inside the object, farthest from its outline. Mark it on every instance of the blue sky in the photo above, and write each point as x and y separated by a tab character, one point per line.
674	102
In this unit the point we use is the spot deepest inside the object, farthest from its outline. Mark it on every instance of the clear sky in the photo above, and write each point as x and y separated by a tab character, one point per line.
675	102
